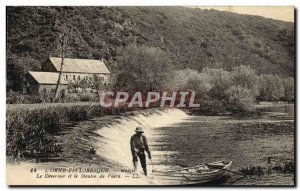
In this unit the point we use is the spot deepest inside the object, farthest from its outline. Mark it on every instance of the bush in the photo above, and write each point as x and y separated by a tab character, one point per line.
70	98
18	98
200	84
190	80
142	68
271	87
220	80
179	78
289	89
48	118
29	127
28	138
87	97
77	113
234	91
212	107
246	77
239	99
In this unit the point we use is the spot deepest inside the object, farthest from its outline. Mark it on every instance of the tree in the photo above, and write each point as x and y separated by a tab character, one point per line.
289	89
246	77
74	84
16	71
83	84
179	78
63	42
200	84
220	81
64	32
239	99
96	83
142	68
190	80
271	87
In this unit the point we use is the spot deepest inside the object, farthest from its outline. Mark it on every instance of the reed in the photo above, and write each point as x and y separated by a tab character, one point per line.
29	128
283	167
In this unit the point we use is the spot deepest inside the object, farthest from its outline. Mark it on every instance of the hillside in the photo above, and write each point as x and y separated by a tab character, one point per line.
193	38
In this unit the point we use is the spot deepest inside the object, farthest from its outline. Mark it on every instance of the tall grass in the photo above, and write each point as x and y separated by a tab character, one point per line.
282	167
29	128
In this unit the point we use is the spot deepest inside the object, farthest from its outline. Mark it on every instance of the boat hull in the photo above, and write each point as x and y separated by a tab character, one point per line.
200	174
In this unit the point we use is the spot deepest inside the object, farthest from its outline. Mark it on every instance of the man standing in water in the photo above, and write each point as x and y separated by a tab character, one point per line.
139	145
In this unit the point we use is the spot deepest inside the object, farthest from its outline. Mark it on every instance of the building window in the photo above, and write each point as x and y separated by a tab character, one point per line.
78	78
66	77
74	77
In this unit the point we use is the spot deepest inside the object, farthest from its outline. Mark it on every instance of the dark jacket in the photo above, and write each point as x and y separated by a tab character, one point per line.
141	144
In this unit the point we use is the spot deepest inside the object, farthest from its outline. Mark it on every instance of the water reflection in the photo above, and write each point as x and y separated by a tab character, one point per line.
247	142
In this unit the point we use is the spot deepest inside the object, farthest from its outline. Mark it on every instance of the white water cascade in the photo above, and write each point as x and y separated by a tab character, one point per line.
115	138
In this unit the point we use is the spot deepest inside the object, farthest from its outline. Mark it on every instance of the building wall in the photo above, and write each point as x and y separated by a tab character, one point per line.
79	76
32	87
49	67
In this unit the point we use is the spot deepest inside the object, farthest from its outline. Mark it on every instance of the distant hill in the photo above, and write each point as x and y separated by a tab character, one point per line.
193	38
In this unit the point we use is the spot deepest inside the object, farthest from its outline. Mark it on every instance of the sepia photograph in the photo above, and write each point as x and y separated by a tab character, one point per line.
150	96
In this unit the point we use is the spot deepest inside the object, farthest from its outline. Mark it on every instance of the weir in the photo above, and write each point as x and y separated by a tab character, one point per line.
114	145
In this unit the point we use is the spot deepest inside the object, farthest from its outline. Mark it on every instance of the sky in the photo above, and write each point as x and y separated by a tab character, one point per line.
284	13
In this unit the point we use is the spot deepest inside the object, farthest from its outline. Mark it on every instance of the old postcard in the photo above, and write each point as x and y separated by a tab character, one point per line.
150	96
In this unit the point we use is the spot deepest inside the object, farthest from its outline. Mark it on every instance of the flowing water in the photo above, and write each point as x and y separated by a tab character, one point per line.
177	138
115	138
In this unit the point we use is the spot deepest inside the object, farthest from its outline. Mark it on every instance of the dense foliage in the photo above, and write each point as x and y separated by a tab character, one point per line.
30	128
229	60
192	38
135	71
235	91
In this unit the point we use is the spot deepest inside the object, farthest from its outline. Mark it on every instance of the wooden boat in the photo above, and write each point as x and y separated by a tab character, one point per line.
199	174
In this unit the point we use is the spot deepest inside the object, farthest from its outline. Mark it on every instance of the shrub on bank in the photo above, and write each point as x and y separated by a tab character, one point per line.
239	99
18	98
29	127
47	97
212	107
283	167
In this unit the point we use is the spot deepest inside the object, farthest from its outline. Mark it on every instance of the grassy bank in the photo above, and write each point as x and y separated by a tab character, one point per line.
282	167
30	128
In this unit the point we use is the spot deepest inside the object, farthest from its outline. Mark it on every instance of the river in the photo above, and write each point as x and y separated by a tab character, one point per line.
177	138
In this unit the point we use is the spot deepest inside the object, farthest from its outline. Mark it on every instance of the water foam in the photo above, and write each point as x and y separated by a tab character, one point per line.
115	138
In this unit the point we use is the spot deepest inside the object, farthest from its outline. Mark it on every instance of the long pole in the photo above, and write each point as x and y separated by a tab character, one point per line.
152	165
61	66
233	172
152	168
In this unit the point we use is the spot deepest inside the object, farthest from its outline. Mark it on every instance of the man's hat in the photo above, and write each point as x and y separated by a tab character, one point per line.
139	129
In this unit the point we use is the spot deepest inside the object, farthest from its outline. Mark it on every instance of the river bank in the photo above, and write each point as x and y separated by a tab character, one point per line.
31	128
177	138
109	136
